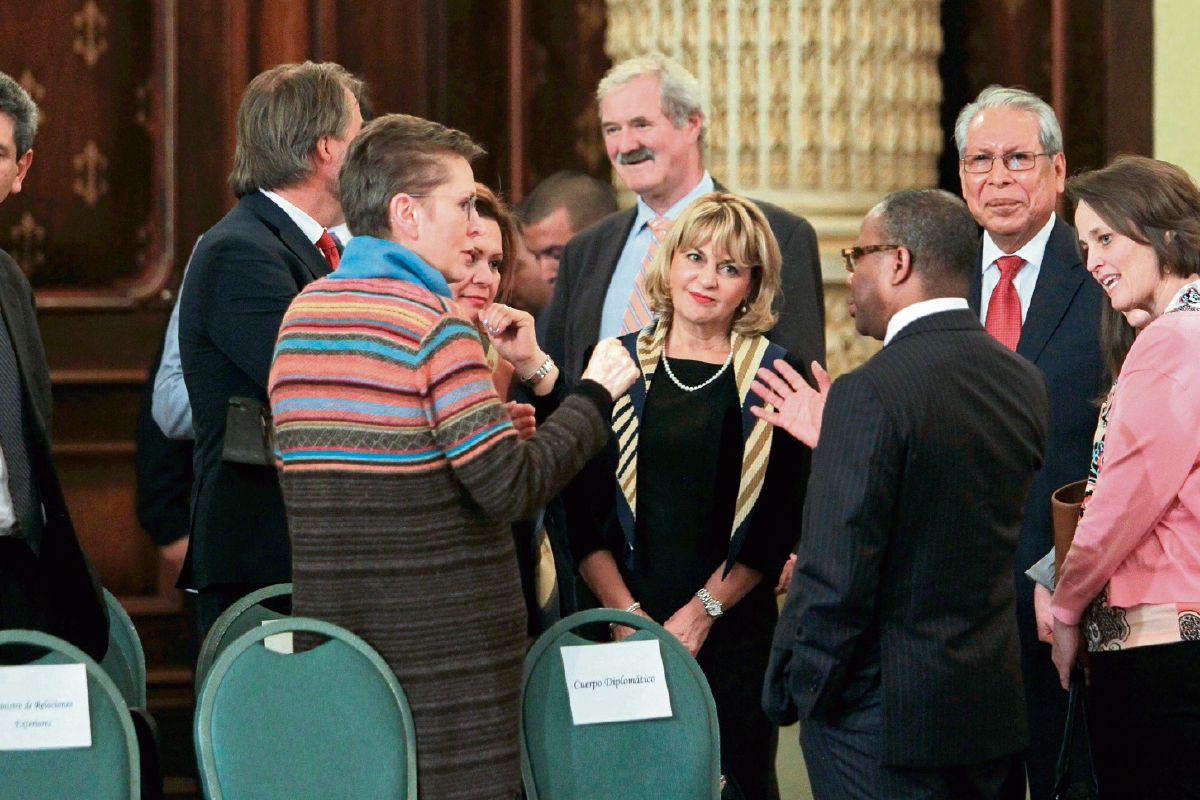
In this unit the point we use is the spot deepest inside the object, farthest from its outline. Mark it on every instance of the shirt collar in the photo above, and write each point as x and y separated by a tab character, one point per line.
1033	252
910	314
311	229
645	213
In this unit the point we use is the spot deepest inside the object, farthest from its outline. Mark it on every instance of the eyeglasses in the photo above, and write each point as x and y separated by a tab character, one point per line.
1013	162
465	204
849	254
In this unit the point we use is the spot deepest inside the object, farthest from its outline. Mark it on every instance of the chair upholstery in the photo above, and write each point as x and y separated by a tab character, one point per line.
125	661
327	723
108	770
679	756
246	614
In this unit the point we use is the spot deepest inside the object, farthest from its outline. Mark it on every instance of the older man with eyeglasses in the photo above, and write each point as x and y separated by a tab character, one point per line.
1033	294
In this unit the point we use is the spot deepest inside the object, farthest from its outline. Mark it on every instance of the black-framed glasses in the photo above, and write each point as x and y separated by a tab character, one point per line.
981	163
467	204
849	254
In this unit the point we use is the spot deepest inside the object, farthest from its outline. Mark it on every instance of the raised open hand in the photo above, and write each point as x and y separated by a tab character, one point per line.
798	408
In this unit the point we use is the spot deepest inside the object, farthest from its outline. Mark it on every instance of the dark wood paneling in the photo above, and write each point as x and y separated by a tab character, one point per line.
1129	100
1097	71
384	41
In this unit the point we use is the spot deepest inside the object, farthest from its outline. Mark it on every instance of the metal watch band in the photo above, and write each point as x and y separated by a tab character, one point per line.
712	606
543	371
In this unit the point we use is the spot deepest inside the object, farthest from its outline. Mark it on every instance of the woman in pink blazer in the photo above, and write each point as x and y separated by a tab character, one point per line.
1132	577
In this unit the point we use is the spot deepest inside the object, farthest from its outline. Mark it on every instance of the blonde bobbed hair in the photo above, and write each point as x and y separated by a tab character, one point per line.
737	227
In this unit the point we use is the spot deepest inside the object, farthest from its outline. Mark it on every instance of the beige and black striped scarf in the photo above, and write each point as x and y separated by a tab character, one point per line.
646	348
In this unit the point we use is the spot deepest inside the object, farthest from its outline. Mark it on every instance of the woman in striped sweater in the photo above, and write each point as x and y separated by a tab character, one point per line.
401	469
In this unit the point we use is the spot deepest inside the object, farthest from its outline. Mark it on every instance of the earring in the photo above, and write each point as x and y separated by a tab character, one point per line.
743	308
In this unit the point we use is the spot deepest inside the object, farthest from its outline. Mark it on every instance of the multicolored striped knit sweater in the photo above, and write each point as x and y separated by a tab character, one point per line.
400	381
401	474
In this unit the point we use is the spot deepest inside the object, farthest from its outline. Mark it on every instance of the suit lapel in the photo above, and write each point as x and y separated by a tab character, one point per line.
11	317
974	296
607	256
288	232
1060	278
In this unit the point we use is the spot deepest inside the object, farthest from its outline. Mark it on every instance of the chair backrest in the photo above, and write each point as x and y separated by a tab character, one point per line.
108	770
246	614
125	661
679	756
330	722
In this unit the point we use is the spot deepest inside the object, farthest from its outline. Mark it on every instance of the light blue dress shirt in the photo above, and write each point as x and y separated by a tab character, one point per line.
169	405
630	262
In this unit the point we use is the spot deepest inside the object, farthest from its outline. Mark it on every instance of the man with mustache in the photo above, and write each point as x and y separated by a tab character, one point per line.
1033	294
653	126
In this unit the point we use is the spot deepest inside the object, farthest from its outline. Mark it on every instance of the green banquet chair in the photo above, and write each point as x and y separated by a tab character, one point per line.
125	661
244	615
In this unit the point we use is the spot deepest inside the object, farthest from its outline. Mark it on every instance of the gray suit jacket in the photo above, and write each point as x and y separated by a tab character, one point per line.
570	325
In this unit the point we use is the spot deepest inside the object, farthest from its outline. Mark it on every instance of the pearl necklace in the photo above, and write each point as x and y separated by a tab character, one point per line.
667	366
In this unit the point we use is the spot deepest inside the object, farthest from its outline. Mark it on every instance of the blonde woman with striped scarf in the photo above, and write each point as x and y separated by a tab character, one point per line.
691	511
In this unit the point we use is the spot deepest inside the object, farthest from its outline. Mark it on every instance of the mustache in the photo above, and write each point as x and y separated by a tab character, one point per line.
635	156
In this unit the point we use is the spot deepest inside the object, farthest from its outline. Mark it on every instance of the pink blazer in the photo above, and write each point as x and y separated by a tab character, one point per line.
1141	531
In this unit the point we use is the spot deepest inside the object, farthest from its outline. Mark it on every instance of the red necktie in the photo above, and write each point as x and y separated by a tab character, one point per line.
1004	307
328	248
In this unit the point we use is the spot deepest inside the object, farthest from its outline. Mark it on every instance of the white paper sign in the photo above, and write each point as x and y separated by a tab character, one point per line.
44	707
279	642
617	682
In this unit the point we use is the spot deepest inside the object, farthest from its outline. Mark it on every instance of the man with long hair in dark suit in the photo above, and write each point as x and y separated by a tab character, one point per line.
898	644
46	582
295	124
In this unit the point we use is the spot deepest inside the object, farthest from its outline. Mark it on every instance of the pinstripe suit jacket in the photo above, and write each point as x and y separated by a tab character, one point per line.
904	577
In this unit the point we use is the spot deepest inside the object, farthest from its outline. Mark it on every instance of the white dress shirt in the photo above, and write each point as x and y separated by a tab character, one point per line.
8	514
910	314
1026	278
307	225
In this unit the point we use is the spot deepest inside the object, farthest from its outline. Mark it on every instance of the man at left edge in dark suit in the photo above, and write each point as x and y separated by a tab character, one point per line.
46	582
295	124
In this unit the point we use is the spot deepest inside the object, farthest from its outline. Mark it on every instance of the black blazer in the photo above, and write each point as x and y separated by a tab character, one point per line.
570	325
71	605
904	572
1061	336
244	273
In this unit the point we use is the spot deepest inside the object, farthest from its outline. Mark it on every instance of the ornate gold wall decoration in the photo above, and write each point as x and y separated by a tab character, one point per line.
27	240
90	166
90	25
820	106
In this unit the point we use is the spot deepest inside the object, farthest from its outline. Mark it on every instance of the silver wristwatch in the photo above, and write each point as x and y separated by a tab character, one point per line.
712	606
543	371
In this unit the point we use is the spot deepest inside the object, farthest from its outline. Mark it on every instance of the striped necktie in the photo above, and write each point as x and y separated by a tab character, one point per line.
637	313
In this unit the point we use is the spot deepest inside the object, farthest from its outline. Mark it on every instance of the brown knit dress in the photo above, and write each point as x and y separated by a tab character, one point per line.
401	475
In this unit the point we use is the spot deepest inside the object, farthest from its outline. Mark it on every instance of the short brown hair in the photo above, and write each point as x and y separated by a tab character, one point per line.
285	111
489	206
1152	202
395	154
733	224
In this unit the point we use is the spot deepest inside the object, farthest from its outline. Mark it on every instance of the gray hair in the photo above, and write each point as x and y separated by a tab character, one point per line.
679	90
285	111
941	235
994	96
19	106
